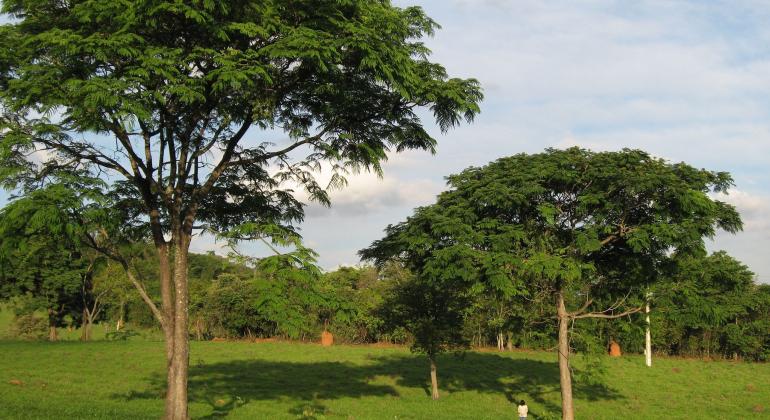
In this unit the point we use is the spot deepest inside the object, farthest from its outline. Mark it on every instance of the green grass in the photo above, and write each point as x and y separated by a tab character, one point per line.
276	380
6	320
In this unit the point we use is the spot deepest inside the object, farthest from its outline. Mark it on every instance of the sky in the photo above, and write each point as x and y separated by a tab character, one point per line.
684	80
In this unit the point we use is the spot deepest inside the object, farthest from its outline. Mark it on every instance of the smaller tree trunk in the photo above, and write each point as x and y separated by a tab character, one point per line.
88	321
87	331
433	378
199	329
121	316
83	333
510	341
52	333
647	338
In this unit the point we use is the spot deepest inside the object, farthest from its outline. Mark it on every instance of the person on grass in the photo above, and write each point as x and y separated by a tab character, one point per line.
523	410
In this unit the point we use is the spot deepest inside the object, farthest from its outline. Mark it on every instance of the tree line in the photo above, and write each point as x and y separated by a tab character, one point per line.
708	307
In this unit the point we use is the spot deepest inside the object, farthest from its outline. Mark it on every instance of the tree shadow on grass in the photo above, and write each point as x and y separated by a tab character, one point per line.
229	385
517	379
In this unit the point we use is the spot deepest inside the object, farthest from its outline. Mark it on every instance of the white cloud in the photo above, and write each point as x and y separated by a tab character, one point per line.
367	195
754	210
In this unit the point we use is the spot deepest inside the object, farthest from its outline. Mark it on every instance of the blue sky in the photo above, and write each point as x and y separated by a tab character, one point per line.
687	81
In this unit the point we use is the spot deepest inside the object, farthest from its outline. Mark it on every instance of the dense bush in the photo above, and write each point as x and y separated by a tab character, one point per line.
29	327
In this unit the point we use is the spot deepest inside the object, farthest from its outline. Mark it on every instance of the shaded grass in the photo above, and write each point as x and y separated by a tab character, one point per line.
292	380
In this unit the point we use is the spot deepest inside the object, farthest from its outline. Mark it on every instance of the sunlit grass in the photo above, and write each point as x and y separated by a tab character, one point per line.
293	380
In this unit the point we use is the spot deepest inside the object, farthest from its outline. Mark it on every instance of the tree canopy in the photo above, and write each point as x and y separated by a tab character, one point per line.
207	114
572	224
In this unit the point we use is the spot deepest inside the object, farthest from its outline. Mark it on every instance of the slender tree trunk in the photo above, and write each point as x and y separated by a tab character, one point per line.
121	316
83	331
735	353
565	378
52	334
433	377
199	329
181	343
647	337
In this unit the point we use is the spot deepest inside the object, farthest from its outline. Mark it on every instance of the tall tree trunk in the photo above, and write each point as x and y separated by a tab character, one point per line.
565	378
433	377
181	343
167	308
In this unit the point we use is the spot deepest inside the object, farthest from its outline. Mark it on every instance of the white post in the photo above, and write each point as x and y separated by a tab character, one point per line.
647	340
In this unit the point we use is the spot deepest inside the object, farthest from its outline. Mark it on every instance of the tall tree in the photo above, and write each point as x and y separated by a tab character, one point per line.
205	108
579	226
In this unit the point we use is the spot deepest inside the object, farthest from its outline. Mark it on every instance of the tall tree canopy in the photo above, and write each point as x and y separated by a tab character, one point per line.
573	224
203	109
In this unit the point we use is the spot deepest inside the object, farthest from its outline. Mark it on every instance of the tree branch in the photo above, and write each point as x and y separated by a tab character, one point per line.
281	152
223	162
587	303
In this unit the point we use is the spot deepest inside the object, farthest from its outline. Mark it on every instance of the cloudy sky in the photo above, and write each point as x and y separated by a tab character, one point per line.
687	81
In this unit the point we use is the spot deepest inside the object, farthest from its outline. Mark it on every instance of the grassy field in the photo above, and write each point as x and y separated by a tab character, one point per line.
275	380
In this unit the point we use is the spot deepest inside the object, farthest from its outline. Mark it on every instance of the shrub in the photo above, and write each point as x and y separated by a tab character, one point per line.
30	327
122	335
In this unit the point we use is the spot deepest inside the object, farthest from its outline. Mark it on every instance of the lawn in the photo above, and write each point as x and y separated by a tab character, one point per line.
275	380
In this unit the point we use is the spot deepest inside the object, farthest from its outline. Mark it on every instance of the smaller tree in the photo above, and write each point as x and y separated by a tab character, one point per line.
434	303
111	282
433	313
